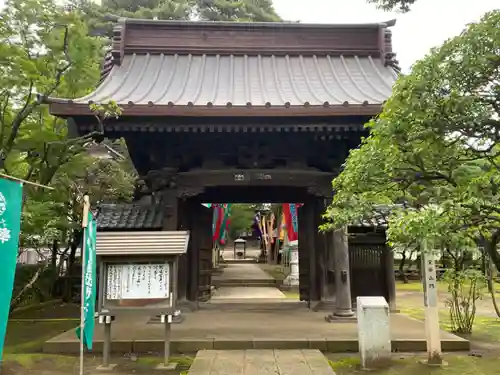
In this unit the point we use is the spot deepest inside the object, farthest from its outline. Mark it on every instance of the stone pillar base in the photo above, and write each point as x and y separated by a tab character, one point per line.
335	318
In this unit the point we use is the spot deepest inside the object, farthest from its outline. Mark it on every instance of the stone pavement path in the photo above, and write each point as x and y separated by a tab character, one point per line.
243	271
260	362
246	292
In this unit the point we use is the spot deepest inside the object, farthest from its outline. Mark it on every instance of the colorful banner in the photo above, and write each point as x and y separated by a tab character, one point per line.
291	221
226	213
89	280
282	227
11	198
218	217
256	225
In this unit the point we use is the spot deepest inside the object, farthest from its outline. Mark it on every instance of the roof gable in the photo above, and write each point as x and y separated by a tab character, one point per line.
180	68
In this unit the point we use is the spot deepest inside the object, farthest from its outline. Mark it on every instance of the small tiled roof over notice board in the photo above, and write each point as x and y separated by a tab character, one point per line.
172	68
130	217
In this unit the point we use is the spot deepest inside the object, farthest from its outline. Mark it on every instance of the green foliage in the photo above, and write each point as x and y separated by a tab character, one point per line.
46	50
466	287
239	10
42	291
389	5
431	162
210	10
241	219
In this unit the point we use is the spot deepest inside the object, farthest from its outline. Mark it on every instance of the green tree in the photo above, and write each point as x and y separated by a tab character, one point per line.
210	10
434	149
45	50
433	158
239	10
390	5
241	219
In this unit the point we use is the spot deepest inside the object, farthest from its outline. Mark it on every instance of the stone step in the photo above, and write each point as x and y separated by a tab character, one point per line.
253	305
240	261
260	362
243	282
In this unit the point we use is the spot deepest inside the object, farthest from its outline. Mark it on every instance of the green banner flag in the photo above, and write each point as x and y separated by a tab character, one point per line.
89	282
11	198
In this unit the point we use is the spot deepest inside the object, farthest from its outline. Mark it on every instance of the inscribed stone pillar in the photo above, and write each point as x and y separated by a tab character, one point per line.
342	274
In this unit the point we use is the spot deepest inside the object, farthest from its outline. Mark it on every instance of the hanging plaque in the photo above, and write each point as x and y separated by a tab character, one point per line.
138	281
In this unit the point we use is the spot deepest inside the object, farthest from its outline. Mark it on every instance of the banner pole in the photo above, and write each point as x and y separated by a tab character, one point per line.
86	208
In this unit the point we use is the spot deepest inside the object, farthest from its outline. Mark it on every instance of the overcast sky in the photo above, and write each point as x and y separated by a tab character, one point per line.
429	23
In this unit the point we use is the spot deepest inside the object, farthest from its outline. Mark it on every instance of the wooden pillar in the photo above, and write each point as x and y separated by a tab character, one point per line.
328	282
342	274
325	285
183	273
193	253
304	289
390	278
310	243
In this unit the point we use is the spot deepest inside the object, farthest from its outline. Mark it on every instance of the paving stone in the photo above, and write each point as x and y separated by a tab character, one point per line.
248	292
260	362
243	271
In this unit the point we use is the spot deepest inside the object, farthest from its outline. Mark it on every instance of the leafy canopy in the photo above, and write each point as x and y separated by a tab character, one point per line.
389	5
46	50
208	10
433	151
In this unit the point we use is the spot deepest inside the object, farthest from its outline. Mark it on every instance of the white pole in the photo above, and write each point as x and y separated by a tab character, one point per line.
86	207
431	307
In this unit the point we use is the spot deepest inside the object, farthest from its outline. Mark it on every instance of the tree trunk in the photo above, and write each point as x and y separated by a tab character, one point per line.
77	237
402	274
490	246
17	299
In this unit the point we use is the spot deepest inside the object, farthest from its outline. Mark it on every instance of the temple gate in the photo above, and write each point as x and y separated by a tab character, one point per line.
245	112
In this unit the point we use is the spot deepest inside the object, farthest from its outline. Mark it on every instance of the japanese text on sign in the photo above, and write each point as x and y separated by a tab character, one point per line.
137	281
430	281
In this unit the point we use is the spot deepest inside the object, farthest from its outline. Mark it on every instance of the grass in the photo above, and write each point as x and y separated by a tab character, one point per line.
28	329
28	337
291	294
485	329
417	286
278	272
457	365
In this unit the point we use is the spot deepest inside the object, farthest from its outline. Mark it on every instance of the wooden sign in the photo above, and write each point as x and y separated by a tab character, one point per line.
430	284
138	281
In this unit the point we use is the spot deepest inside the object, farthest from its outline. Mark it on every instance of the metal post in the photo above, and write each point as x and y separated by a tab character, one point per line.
166	353
86	209
167	321
106	347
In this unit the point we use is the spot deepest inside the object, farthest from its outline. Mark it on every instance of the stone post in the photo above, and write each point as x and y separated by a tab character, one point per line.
342	274
293	278
374	332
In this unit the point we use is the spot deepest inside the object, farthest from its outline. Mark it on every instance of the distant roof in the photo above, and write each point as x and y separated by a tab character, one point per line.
172	68
130	216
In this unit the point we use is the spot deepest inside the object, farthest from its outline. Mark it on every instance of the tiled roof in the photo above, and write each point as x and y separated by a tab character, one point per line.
129	216
251	81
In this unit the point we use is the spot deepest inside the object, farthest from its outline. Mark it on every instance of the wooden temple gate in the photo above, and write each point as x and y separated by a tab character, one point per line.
241	112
